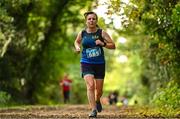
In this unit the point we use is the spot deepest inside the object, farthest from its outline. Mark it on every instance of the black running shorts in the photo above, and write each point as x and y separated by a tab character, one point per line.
98	70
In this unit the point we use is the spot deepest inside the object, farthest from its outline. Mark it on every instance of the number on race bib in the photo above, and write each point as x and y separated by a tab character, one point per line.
93	52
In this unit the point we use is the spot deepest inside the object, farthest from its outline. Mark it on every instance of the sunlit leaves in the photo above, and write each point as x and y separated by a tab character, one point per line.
168	97
6	30
39	24
161	22
159	50
176	17
113	11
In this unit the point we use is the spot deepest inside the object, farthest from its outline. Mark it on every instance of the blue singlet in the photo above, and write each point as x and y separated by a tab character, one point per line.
92	53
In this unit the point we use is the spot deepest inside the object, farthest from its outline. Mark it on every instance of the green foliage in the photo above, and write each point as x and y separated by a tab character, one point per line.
157	25
4	98
168	97
36	48
160	51
36	45
6	30
156	112
78	87
175	17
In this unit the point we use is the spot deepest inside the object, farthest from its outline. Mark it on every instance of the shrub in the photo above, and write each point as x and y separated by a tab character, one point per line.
168	97
4	98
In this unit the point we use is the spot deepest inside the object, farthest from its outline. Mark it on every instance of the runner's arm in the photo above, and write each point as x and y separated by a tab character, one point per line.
77	43
109	43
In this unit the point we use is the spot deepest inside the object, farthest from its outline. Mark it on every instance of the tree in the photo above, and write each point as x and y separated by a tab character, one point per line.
32	47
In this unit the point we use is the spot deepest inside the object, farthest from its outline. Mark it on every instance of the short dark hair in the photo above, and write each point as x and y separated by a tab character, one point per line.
90	12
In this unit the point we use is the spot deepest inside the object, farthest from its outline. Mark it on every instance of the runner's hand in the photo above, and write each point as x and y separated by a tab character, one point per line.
99	42
77	49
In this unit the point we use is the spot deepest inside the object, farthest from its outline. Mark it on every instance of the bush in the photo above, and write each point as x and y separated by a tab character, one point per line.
168	97
4	98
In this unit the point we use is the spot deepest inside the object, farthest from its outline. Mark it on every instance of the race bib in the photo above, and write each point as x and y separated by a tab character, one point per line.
93	52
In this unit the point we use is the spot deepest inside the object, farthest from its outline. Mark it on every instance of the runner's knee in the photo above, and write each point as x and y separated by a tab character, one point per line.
90	87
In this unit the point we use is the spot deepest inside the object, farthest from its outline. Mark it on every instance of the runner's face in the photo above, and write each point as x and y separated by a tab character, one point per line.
91	20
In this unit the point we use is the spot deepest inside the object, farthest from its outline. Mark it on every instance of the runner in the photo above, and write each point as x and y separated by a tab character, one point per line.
93	39
65	83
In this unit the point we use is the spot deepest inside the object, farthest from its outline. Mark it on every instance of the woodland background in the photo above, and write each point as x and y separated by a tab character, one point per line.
36	49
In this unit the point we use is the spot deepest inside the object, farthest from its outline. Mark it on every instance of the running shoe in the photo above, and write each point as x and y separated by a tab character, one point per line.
93	114
98	106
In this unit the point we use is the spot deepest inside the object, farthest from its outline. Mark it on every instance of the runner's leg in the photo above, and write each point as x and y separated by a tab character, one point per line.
90	84
99	89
